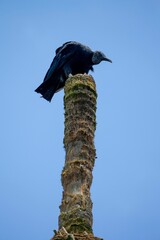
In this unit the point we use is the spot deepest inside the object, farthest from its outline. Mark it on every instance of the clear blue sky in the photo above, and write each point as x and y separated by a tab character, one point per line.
126	186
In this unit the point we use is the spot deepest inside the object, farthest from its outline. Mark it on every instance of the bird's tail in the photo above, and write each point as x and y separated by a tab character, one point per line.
47	90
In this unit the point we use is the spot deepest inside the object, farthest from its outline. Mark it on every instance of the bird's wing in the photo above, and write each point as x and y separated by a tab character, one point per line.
60	48
64	54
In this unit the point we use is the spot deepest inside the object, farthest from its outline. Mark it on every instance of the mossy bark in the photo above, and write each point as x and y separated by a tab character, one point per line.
80	124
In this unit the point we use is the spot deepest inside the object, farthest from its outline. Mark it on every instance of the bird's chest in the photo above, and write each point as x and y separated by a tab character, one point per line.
80	67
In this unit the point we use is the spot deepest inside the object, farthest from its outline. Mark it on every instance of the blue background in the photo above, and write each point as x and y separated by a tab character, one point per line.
126	186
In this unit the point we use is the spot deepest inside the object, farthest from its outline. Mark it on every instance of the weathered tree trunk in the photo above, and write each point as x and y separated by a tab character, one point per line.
80	122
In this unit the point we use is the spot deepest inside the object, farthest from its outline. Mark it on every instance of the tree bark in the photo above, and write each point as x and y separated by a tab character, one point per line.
80	123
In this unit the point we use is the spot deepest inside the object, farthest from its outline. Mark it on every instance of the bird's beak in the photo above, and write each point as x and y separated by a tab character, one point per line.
107	59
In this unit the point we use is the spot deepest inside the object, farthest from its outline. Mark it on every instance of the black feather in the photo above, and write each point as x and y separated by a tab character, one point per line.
71	58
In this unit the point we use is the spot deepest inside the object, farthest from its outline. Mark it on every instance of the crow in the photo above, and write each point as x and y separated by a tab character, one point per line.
71	58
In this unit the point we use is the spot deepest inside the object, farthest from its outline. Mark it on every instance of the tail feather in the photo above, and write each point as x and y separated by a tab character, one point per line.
47	90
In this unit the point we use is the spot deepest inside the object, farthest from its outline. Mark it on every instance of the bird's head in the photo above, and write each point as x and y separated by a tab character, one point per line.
98	57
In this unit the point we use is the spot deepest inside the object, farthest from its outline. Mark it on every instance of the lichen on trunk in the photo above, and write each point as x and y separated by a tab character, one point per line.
80	124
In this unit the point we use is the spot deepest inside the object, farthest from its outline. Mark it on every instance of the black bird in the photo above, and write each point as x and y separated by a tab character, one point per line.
71	58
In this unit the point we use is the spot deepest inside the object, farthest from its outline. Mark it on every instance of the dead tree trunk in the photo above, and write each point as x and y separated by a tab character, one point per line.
80	123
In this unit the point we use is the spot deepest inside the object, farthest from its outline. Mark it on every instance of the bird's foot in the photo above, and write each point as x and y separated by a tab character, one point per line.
70	75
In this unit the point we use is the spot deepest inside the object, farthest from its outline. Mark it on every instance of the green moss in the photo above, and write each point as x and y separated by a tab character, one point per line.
74	95
81	86
76	225
79	83
80	228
